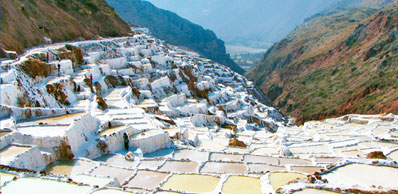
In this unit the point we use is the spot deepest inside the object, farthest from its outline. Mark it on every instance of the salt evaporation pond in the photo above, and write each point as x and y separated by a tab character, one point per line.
58	120
278	179
5	177
394	155
111	130
318	149
226	157
91	180
120	174
43	131
117	160
364	175
306	169
181	167
159	153
42	186
10	152
266	151
150	164
314	191
262	168
70	167
241	184
221	168
110	191
261	159
191	155
191	183
147	179
4	133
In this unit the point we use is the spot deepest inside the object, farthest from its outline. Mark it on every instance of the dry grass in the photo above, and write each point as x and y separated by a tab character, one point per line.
56	90
236	143
36	68
114	81
101	103
25	23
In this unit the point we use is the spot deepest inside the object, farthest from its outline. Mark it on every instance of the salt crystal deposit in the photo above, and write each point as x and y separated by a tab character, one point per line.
189	125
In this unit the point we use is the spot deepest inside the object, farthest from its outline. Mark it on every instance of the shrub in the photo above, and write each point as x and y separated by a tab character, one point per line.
36	68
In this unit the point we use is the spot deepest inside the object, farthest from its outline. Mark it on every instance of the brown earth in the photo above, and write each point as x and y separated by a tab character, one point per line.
334	65
24	23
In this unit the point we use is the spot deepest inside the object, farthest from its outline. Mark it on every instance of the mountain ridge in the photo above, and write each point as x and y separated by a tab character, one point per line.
333	65
174	29
254	23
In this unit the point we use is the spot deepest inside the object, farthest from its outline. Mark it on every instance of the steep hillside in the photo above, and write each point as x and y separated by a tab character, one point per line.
333	65
174	29
351	4
24	23
253	23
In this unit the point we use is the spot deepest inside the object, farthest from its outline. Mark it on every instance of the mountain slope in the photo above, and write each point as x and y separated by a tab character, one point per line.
253	23
351	4
333	65
24	23
174	29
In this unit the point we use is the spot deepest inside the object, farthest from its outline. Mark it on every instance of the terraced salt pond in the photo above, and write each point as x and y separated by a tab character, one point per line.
266	151
240	184
70	167
222	168
58	120
209	164
306	169
42	186
120	174
91	180
314	191
117	160
150	164
278	179
147	179
394	155
110	191
216	144
191	183
181	167
43	131
363	175
317	149
263	168
191	155
5	177
9	153
226	157
111	130
4	133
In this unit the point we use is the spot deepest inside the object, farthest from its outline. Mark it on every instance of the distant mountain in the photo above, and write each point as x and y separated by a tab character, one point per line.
332	65
175	30
252	23
25	23
351	4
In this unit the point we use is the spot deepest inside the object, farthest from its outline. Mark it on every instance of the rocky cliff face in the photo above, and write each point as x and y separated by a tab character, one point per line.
175	30
333	65
26	23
